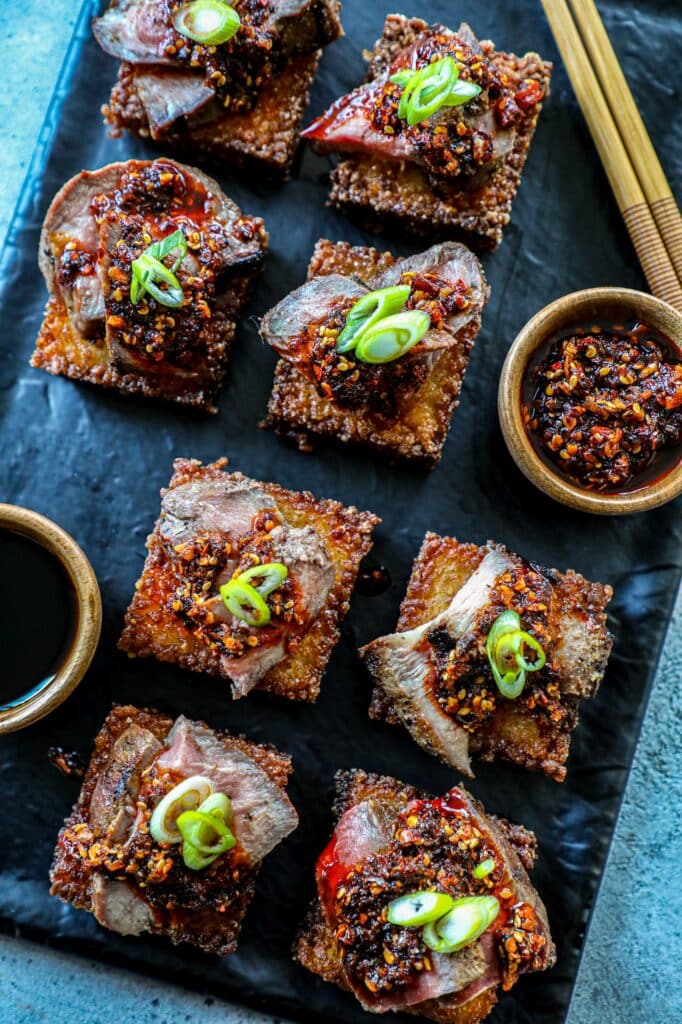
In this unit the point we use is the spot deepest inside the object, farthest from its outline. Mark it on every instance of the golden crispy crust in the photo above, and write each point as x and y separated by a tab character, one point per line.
152	630
265	138
211	930
296	409
316	948
61	351
441	568
398	197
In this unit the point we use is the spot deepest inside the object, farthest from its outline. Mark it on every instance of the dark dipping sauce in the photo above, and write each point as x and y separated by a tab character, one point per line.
38	619
601	404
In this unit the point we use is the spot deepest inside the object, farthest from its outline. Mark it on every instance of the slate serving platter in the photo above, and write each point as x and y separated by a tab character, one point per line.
95	462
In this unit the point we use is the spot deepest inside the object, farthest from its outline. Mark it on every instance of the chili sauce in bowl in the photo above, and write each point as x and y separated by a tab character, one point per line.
590	400
603	404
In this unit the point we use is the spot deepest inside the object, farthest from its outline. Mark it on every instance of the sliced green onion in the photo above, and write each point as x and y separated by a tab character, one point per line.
194	860
393	336
428	90
483	869
418	908
369	310
464	924
404	76
219	805
245	603
507	622
206	833
525	639
505	649
265	578
209	22
187	795
147	269
462	92
434	86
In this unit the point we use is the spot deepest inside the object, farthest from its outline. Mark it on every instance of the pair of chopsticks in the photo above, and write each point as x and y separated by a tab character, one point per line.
636	177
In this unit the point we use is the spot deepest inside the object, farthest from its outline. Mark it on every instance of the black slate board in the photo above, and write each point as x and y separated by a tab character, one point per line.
95	463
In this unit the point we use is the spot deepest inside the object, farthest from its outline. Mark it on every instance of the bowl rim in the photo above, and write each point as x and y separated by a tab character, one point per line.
64	548
531	336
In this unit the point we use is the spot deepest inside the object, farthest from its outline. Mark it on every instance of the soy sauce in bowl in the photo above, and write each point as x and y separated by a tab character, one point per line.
38	619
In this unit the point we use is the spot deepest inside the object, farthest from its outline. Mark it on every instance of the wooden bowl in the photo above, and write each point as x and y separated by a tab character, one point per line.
590	305
77	658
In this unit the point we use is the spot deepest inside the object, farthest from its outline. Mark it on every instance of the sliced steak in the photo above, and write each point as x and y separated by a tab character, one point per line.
262	814
138	31
404	663
167	94
120	906
227	506
112	805
227	511
309	565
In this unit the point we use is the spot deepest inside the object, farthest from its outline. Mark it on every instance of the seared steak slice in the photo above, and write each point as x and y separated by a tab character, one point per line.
121	907
226	506
262	814
404	663
113	803
139	31
168	94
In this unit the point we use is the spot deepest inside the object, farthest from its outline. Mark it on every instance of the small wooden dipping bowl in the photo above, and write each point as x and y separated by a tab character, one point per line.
88	617
593	305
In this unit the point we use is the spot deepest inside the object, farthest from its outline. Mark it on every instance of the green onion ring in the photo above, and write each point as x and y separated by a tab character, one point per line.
505	650
418	908
392	337
462	92
428	91
245	603
369	310
148	268
219	805
464	924
209	22
206	833
404	76
271	575
483	869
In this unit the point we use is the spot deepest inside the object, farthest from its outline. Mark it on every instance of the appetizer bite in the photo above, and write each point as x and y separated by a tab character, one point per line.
227	79
437	137
170	828
423	904
247	581
492	656
149	266
374	348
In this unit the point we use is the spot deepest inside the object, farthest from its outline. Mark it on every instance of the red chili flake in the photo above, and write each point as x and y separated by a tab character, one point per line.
529	94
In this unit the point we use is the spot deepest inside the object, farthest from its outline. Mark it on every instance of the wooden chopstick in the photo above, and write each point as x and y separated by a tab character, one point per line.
651	251
632	129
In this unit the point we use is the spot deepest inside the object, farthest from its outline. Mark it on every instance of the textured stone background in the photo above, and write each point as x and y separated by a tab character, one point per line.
630	971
